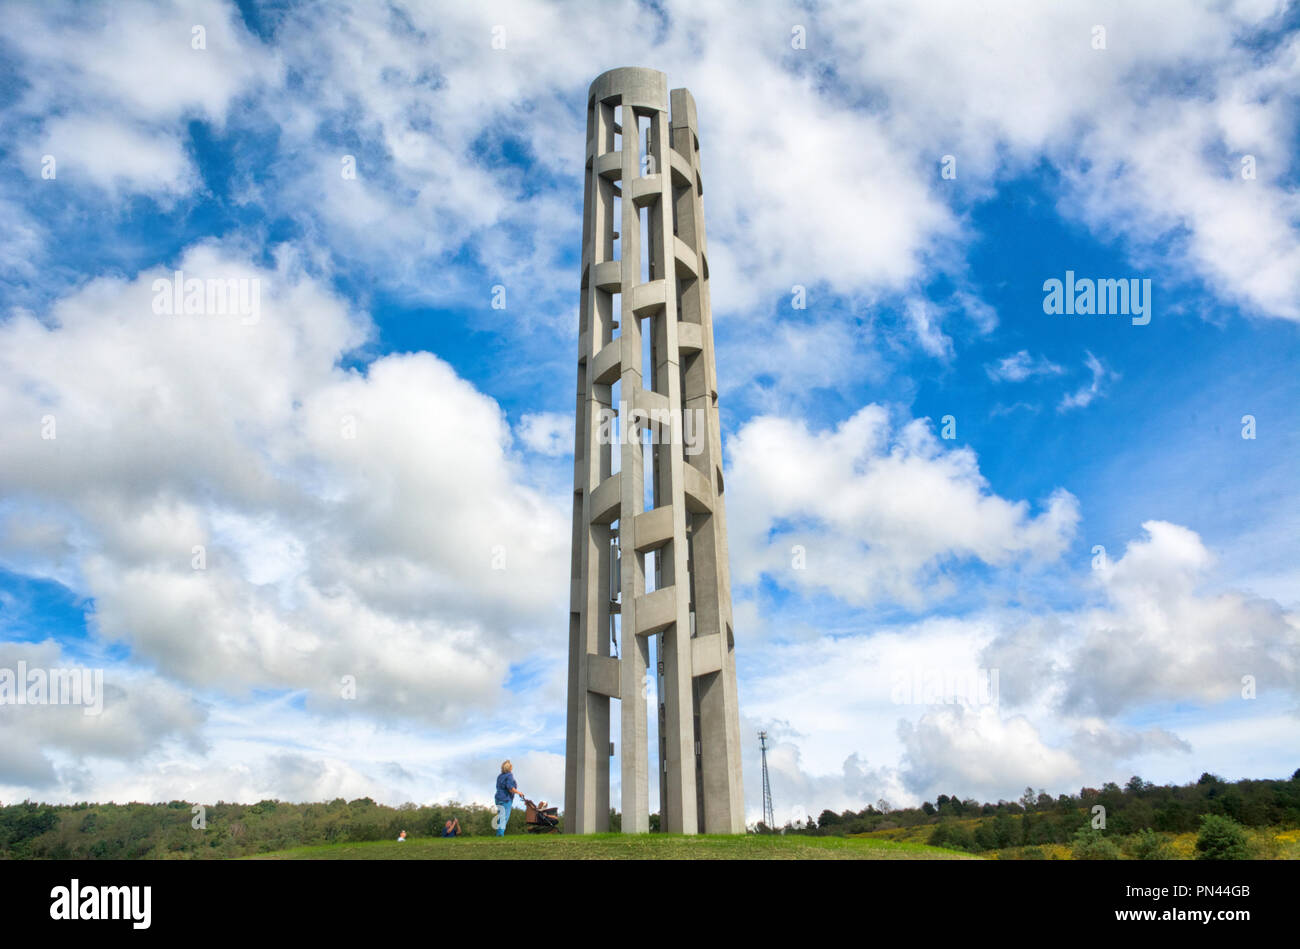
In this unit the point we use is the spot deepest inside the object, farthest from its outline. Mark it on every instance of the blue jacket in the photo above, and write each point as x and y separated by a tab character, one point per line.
505	787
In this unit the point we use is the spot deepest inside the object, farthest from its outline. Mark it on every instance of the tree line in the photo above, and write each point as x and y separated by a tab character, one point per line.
1135	817
1095	823
176	830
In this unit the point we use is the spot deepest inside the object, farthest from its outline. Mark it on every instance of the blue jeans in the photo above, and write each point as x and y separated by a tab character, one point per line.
503	816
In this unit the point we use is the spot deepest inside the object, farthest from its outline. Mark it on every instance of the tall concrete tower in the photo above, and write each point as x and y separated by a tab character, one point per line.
649	530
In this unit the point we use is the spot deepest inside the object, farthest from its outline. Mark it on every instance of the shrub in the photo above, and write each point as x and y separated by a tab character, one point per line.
1148	845
946	834
1090	844
1222	838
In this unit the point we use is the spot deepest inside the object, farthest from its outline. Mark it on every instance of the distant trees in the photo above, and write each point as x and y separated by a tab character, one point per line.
1140	817
1175	817
22	823
154	831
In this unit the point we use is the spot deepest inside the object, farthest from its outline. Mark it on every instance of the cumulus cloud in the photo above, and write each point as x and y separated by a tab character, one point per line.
1161	635
852	127
115	157
979	749
133	714
547	433
1140	157
465	180
246	514
879	513
1075	687
138	60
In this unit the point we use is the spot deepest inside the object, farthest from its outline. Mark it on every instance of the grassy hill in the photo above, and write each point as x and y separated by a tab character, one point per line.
623	847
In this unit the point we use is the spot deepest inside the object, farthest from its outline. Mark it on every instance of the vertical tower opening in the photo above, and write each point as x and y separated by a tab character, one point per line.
649	161
660	754
650	499
647	353
647	247
616	222
612	428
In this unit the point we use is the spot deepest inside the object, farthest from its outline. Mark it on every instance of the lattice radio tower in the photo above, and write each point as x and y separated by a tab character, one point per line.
769	818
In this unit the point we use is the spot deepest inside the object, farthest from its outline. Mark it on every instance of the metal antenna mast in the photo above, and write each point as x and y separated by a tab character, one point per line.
768	817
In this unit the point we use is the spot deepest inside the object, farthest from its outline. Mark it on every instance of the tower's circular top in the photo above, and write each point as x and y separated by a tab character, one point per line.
633	85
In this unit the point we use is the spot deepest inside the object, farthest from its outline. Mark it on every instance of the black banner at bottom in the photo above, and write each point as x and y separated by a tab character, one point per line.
304	898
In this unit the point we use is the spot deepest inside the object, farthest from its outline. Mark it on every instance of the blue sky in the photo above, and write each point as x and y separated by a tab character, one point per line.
369	555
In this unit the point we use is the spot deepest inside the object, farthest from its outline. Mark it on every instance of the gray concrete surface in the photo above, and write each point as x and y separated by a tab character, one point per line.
651	503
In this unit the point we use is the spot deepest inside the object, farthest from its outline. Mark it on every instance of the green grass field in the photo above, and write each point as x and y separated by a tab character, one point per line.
620	847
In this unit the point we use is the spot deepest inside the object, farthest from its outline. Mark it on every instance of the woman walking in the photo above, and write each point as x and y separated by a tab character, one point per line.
505	796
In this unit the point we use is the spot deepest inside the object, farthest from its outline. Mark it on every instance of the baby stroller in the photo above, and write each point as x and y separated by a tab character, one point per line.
540	819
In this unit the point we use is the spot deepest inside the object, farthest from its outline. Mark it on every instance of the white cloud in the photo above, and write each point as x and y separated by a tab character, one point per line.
130	713
114	156
351	522
547	433
137	59
1161	638
1077	689
978	750
880	513
1020	366
823	697
1140	157
851	129
927	323
1085	394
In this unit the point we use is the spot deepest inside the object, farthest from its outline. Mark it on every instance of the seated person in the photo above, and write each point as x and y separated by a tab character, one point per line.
451	828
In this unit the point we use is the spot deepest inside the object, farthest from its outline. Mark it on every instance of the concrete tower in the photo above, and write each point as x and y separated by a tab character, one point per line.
649	529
